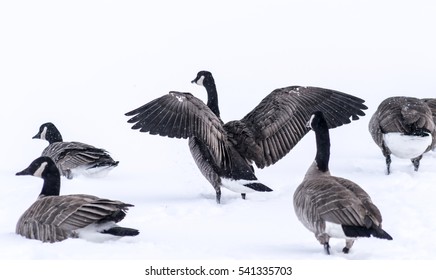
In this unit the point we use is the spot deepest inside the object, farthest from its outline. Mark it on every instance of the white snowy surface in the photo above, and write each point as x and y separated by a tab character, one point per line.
83	64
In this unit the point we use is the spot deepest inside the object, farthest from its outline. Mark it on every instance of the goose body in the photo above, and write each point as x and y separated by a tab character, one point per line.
225	152
404	127
431	103
334	207
74	158
52	217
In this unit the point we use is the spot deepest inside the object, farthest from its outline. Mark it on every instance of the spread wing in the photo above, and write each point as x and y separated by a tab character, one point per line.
181	115
278	123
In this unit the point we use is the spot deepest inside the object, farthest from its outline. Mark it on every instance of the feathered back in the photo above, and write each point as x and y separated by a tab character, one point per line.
55	218
401	114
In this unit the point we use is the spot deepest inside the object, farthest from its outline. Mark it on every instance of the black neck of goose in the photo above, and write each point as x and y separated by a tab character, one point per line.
52	184
212	96
322	148
53	136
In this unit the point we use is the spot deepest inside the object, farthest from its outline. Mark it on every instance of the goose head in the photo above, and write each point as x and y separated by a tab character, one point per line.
41	167
203	78
49	132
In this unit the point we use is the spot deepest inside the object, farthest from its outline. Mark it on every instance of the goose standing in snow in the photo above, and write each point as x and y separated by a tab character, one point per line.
405	127
224	152
74	158
334	207
53	218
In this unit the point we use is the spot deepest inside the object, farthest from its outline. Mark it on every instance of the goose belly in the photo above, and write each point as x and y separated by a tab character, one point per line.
335	230
93	233
94	172
406	146
237	185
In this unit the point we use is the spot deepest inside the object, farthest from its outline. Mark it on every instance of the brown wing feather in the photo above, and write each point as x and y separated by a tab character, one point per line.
54	218
335	200
278	123
181	115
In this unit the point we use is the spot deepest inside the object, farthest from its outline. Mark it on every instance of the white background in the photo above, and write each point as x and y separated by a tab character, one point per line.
83	64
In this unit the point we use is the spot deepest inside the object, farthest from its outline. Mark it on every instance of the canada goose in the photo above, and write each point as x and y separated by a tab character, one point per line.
334	207
74	158
224	152
403	126
53	218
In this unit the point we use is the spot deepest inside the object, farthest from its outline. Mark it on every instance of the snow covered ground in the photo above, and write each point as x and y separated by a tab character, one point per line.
83	64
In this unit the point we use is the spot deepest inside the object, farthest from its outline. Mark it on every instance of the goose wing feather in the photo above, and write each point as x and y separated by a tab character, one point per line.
54	218
278	123
68	155
431	103
181	115
329	200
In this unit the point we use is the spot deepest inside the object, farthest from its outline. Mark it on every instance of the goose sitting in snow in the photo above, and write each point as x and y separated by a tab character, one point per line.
53	218
224	152
74	158
334	207
405	127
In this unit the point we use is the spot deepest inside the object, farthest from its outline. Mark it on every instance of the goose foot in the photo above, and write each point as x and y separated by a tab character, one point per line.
415	162
243	195
348	244
327	248
69	174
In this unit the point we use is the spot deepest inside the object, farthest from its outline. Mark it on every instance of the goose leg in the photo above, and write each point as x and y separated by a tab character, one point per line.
388	164
69	174
387	155
327	248
348	244
218	195
323	238
415	162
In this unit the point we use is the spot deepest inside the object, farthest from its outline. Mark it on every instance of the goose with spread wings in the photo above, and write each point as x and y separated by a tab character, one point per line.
225	152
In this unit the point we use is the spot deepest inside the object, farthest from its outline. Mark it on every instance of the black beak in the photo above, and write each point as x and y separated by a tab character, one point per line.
194	81
37	136
24	172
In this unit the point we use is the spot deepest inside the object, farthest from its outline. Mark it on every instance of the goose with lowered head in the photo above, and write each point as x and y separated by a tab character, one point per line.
404	127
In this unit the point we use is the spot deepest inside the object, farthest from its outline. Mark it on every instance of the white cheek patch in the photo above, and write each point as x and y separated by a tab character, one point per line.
43	133
309	123
38	172
200	81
